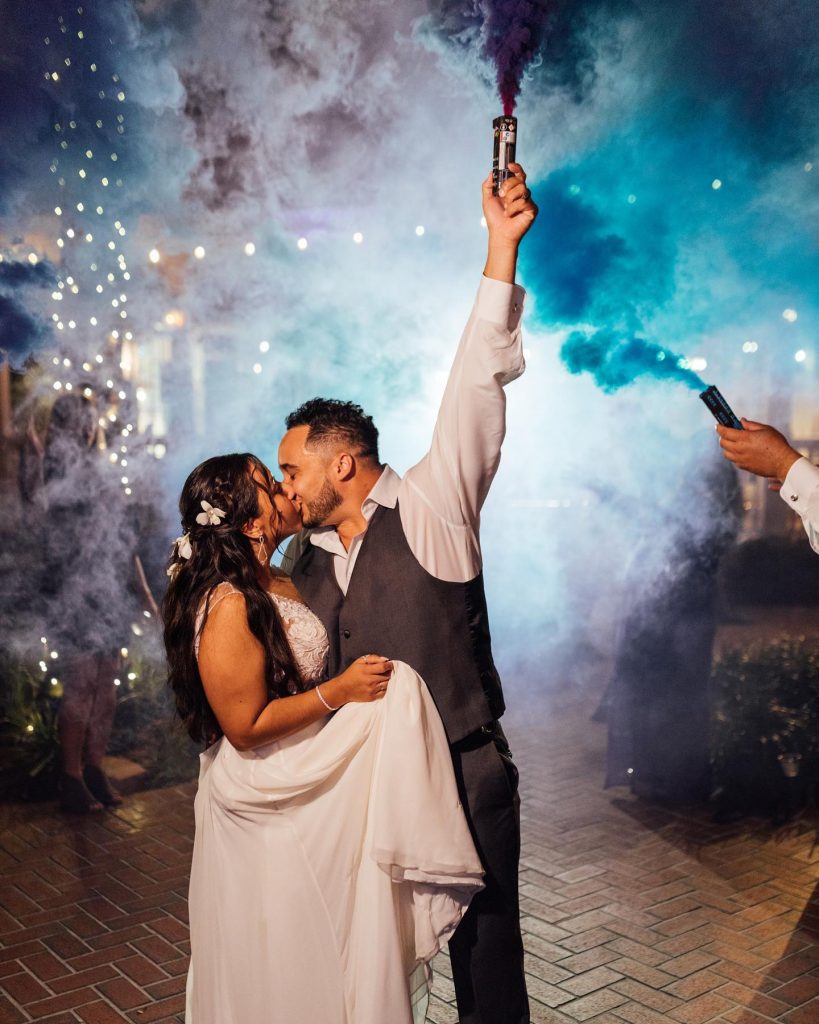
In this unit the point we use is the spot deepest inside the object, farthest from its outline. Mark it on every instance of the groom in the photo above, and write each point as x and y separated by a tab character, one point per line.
393	566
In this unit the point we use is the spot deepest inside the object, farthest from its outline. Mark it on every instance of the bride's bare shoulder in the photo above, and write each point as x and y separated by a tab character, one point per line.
226	629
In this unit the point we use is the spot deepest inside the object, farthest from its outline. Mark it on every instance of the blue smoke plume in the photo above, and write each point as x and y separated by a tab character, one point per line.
710	111
614	360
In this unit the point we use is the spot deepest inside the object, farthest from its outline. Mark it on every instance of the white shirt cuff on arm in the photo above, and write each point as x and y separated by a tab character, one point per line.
500	302
801	483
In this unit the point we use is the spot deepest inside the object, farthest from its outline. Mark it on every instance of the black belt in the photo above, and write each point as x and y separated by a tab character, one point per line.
478	738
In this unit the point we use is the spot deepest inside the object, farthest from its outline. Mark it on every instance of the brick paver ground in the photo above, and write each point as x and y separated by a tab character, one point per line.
631	913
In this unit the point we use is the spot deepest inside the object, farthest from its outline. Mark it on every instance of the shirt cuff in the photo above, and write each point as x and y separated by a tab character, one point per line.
500	302
800	484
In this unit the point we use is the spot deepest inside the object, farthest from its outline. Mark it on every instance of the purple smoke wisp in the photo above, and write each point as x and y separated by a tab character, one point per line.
515	30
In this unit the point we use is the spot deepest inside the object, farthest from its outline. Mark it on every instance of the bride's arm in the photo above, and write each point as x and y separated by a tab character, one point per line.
232	668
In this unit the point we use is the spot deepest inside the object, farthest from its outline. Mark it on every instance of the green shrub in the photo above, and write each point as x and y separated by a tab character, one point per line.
766	726
30	763
145	729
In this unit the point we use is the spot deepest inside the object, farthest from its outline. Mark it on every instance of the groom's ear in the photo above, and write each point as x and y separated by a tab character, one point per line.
344	466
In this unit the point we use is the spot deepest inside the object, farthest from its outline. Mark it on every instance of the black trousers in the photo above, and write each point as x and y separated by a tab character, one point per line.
486	951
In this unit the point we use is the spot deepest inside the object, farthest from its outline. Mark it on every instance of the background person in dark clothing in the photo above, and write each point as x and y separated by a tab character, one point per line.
658	704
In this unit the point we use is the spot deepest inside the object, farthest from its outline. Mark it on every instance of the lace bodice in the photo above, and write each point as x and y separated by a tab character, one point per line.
308	640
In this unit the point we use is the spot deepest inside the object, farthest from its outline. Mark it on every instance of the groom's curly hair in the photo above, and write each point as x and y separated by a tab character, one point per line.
332	421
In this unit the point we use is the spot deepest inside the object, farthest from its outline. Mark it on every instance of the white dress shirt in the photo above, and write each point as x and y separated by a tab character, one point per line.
800	489
441	497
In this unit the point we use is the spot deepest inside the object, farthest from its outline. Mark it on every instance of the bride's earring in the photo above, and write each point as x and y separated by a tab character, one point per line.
262	552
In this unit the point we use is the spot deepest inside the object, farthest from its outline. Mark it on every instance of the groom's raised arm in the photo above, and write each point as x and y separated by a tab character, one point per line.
445	491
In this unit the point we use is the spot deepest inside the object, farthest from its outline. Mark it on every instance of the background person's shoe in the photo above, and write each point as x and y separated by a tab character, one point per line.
97	782
75	797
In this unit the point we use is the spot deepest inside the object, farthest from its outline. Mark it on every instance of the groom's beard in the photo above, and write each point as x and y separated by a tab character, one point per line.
316	512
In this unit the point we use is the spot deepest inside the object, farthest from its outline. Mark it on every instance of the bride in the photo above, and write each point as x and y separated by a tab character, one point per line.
332	857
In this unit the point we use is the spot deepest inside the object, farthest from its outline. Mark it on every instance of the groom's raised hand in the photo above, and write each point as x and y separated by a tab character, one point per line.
509	215
511	212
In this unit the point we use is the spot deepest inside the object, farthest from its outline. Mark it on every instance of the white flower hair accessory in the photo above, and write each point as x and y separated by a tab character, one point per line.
183	546
181	549
210	516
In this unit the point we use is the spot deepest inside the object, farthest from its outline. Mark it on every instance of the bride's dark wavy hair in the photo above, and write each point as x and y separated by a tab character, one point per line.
220	554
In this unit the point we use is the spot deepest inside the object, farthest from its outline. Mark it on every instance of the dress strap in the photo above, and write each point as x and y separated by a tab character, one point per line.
209	602
217	594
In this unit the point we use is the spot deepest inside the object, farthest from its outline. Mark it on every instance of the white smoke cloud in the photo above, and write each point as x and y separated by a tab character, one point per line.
265	123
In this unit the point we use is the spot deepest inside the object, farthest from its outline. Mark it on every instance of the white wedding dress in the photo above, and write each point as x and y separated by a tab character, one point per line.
330	866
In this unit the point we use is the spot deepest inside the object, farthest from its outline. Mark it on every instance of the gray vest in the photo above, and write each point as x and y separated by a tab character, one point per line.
396	608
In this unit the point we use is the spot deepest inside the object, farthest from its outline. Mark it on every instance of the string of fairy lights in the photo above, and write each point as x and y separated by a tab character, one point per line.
89	304
91	300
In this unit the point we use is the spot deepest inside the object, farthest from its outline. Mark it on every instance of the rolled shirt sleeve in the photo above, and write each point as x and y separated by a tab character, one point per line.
800	490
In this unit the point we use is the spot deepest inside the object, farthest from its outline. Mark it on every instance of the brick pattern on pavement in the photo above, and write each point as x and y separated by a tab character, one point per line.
631	913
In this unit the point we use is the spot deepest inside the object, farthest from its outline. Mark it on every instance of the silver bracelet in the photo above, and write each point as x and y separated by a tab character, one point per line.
323	701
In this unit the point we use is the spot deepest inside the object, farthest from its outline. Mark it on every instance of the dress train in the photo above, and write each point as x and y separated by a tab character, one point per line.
329	868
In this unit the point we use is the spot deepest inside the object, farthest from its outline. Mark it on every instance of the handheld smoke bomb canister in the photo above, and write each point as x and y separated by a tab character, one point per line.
720	409
506	131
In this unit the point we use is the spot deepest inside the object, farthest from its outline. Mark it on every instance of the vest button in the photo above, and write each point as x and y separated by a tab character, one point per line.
346	634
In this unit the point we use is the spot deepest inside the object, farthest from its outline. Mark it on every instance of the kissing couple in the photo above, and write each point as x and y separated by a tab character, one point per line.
357	803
